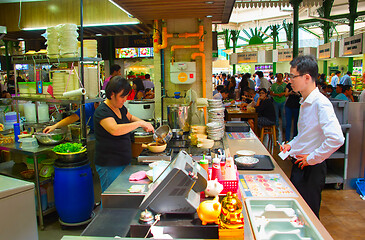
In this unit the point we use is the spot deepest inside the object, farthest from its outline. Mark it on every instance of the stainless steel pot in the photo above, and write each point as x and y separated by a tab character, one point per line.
178	117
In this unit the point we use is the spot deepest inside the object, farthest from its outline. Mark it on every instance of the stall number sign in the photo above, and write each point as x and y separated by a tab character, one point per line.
286	55
324	51
247	57
352	45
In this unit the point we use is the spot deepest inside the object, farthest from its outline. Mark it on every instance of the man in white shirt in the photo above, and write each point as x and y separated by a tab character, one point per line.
264	83
335	79
319	133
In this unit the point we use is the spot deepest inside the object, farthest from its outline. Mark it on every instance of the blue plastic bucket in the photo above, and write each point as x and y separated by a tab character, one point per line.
74	193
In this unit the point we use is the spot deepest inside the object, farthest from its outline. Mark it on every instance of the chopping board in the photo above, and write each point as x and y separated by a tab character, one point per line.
264	164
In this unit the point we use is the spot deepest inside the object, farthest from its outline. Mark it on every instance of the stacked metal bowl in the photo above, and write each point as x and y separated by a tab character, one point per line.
215	125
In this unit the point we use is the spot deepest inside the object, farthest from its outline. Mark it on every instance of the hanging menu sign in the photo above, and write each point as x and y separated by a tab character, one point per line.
324	51
352	45
247	57
286	54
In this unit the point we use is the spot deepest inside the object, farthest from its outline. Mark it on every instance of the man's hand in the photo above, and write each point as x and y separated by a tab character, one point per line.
49	129
302	161
285	148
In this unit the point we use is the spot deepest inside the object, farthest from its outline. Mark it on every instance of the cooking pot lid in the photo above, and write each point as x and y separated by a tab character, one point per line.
141	102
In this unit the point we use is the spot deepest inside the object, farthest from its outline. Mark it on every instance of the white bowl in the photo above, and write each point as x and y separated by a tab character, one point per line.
246	161
245	153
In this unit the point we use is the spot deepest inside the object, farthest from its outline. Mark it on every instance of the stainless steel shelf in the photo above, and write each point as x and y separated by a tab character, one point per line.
44	59
58	101
6	168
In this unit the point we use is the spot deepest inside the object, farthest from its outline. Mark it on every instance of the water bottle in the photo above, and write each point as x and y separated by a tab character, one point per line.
16	131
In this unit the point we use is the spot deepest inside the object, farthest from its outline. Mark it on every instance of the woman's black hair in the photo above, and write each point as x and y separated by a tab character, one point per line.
139	84
116	85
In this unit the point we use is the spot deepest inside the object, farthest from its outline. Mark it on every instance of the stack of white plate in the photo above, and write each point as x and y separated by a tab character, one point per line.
215	130
215	125
58	83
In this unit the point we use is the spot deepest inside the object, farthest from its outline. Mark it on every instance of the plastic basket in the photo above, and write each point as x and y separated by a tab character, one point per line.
228	185
360	186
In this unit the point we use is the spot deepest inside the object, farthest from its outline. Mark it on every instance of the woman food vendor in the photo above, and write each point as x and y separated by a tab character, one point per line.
113	124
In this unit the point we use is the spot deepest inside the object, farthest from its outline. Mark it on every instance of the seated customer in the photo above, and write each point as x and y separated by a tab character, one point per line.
265	109
139	89
346	94
149	93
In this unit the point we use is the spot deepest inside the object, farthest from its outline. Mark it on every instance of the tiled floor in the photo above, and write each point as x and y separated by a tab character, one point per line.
342	213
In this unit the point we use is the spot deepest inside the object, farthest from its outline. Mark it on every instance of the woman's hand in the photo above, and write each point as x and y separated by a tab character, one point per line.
49	129
146	126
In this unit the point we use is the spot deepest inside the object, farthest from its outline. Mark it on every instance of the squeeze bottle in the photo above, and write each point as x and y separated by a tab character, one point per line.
230	170
216	169
204	163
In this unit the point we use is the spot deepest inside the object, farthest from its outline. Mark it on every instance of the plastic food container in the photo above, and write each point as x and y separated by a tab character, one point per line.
28	143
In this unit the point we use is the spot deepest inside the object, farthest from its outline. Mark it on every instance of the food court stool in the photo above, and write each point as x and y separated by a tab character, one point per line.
271	132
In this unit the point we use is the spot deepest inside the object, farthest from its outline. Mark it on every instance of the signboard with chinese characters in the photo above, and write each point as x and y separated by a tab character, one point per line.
247	57
286	54
353	45
324	51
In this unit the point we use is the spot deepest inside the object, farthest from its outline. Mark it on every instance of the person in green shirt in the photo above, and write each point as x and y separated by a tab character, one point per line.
277	91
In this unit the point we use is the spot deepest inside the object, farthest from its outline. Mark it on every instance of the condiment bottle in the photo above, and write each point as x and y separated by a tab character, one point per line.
16	132
230	170
216	169
204	163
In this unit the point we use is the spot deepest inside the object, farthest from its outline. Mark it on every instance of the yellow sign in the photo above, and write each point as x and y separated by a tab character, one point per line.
182	77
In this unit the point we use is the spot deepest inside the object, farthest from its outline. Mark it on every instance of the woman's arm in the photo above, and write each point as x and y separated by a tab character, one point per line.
111	126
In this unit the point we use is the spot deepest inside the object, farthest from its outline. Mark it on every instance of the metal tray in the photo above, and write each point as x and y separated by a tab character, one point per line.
283	219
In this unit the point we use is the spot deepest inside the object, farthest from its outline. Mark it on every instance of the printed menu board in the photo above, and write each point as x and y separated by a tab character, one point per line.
352	45
324	51
126	53
145	52
265	185
247	57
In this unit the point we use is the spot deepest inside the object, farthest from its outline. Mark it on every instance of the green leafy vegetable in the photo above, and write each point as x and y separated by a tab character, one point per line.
67	148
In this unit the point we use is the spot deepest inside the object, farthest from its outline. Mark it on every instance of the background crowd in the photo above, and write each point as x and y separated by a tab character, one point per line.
273	97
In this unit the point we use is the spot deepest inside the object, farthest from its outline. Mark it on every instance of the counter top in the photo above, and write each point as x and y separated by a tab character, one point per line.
117	195
254	144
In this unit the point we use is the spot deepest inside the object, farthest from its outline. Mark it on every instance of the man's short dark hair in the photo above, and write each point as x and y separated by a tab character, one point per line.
349	73
147	76
262	90
260	74
224	75
224	90
114	68
337	72
346	88
220	88
306	64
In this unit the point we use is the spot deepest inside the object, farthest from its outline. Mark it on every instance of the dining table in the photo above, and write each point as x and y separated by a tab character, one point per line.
234	112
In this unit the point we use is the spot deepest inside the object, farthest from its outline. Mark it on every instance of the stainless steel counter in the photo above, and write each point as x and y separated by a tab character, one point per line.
116	199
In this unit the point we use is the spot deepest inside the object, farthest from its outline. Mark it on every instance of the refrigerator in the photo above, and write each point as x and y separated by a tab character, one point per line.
18	219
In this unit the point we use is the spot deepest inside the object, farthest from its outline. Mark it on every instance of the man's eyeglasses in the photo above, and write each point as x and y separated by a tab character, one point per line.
292	76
